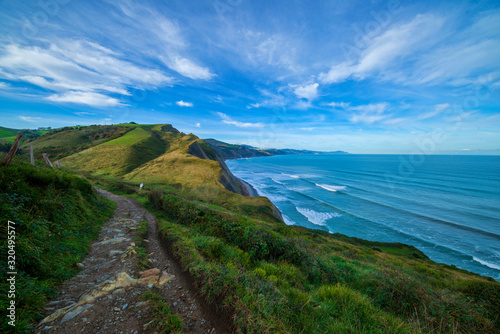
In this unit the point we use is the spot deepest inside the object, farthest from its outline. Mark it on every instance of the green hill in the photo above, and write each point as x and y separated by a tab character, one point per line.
65	141
7	136
156	155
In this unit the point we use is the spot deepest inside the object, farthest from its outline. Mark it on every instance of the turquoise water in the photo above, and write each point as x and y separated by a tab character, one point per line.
447	206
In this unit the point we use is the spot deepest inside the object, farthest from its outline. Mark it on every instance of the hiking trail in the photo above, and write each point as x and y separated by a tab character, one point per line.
105	296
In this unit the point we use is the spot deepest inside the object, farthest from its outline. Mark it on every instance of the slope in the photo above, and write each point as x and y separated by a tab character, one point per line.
60	143
118	156
54	216
161	156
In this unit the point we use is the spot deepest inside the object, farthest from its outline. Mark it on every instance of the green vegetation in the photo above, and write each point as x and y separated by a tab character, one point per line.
161	317
56	214
265	276
142	252
7	137
160	156
63	142
273	278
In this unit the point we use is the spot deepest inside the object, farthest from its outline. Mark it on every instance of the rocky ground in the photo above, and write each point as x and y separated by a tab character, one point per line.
105	297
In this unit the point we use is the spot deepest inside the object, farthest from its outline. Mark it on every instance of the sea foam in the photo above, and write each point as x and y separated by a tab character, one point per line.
487	264
331	188
317	218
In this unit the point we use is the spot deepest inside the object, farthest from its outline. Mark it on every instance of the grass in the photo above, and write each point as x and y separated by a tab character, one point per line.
130	138
7	136
161	317
273	278
119	156
63	142
142	252
56	214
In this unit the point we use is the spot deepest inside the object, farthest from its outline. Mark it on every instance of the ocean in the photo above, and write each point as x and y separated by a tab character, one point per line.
446	206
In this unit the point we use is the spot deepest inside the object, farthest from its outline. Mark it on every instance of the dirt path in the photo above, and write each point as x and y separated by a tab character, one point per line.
105	296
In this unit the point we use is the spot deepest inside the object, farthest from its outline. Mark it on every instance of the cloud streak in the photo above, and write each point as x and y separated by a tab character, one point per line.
184	104
392	46
228	120
79	71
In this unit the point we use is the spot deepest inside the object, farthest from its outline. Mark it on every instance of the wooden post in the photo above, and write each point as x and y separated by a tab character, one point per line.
46	159
32	157
12	151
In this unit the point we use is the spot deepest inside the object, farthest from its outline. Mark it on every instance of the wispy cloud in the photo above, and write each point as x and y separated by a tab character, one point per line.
189	69
439	108
184	104
369	113
254	105
163	37
30	119
87	98
81	72
384	50
309	92
339	105
228	120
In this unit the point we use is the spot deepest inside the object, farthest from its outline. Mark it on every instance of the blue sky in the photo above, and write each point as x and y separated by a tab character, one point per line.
360	76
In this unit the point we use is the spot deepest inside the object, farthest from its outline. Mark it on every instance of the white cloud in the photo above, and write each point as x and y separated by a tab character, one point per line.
385	50
424	51
189	69
184	104
77	71
340	105
270	100
369	113
254	105
83	113
227	120
309	92
30	119
475	51
198	125
88	98
439	108
4	85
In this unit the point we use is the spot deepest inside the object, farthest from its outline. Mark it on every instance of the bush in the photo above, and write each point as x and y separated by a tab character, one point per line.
56	216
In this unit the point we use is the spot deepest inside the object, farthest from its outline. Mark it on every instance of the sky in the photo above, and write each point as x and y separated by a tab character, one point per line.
379	77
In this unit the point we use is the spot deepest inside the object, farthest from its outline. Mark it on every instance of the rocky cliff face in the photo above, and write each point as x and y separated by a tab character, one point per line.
230	151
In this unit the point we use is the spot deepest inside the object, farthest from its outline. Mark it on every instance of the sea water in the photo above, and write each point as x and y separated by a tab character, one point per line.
446	206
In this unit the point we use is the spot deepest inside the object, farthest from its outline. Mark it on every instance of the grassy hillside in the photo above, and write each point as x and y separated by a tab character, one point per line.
66	141
118	156
56	215
272	278
7	137
161	156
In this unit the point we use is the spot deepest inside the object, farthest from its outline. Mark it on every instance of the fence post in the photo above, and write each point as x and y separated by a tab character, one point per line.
32	157
46	159
12	151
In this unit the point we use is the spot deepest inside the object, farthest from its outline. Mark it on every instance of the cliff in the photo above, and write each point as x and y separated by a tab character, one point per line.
231	151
